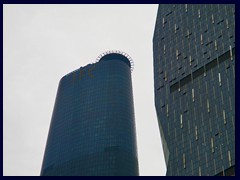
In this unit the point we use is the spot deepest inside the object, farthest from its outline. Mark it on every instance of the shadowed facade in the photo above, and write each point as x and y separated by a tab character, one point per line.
194	85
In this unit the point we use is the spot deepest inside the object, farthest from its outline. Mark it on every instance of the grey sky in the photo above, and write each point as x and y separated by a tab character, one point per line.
42	43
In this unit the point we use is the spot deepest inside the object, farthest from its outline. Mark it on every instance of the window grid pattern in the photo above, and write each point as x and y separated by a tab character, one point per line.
92	131
196	49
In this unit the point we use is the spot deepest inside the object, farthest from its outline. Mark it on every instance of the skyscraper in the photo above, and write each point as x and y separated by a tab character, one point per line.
194	84
92	131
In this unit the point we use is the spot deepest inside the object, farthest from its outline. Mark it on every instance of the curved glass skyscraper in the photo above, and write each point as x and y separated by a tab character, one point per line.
92	131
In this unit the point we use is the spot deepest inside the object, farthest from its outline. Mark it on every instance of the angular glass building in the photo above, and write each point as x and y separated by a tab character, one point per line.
92	131
194	84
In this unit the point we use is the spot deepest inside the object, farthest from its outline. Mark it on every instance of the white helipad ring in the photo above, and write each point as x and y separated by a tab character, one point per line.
117	52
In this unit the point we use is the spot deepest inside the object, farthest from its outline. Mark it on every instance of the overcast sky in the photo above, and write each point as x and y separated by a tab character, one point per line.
42	43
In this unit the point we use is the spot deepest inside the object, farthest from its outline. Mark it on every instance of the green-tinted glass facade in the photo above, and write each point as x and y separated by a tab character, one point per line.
92	131
194	82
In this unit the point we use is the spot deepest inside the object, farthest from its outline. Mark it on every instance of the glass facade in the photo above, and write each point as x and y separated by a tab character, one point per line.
194	84
92	131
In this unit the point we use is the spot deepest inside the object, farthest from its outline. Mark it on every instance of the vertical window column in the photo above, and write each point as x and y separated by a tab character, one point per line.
224	117
215	45
199	171
184	161
231	54
181	121
229	158
227	24
196	133
212	145
219	79
208	106
167	109
212	19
